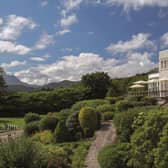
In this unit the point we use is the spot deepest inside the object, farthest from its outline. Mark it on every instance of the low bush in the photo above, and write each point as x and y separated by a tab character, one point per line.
74	127
123	122
161	152
114	156
31	117
150	101
61	133
99	119
32	128
146	139
105	108
88	103
113	100
107	116
49	122
55	157
88	121
44	137
79	155
19	153
124	105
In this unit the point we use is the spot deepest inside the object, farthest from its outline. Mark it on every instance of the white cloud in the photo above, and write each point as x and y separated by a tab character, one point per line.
70	5
13	27
1	21
73	67
40	59
68	21
138	41
136	4
11	47
164	41
67	17
12	64
44	3
63	32
44	41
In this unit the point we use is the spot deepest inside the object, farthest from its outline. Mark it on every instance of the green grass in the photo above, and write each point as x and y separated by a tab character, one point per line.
16	121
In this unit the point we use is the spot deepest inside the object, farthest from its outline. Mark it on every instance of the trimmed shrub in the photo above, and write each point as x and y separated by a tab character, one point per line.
19	153
88	121
99	119
88	103
44	137
49	123
108	116
150	101
74	127
161	152
61	133
124	105
113	100
31	117
105	108
54	157
58	161
124	122
79	155
114	156
32	128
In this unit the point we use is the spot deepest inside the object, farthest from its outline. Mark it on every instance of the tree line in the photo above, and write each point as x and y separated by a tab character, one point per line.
92	86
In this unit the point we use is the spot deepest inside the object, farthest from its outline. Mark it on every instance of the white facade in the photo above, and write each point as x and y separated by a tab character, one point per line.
153	82
158	82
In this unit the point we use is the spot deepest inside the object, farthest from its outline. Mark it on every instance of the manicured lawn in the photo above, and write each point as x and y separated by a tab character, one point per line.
16	121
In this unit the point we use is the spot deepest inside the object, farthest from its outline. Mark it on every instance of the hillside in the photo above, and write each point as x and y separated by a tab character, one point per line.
14	84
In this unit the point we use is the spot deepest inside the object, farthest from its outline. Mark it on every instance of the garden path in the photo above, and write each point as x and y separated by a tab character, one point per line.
106	135
10	135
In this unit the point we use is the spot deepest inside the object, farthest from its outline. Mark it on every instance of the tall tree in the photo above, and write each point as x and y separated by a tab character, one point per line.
97	83
2	82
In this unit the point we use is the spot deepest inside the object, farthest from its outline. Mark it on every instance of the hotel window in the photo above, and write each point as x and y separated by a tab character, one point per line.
164	64
161	64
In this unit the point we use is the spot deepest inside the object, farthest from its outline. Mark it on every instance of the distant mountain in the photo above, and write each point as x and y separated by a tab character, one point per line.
64	83
13	80
14	84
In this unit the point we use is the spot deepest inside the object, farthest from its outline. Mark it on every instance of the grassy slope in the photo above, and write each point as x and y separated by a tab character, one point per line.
16	121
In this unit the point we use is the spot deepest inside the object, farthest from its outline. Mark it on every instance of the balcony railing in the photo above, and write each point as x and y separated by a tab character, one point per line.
148	93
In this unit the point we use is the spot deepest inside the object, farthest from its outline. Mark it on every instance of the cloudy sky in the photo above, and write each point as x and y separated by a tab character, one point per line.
43	41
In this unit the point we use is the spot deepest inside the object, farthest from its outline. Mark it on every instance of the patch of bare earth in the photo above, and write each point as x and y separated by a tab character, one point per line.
10	135
106	135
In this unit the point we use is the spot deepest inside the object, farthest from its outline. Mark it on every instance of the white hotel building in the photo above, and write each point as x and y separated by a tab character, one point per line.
157	82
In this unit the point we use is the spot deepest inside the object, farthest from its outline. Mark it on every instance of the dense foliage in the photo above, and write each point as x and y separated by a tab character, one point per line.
114	156
88	121
49	122
2	81
145	130
42	102
30	117
61	133
19	153
97	84
32	128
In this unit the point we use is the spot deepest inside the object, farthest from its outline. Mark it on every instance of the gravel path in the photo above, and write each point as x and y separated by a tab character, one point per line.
11	134
106	135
